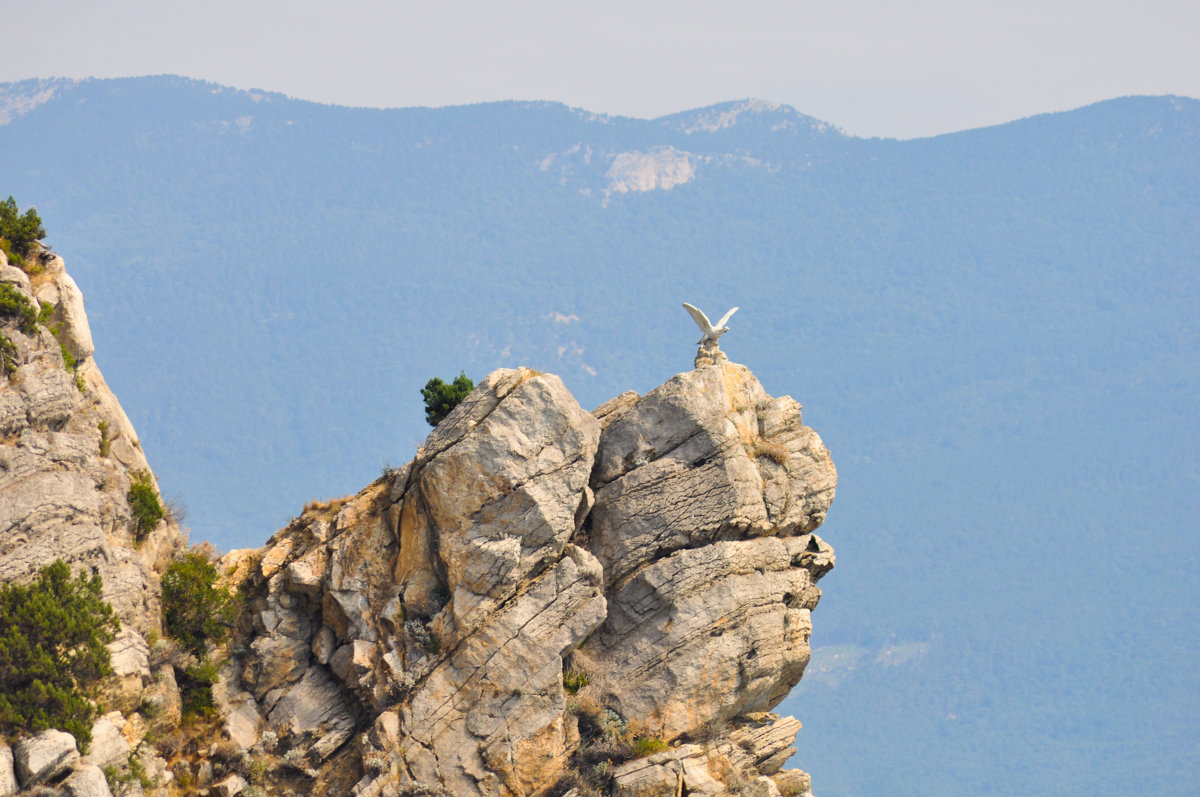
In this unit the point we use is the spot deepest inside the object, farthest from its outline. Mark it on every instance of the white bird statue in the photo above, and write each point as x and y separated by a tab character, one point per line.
711	332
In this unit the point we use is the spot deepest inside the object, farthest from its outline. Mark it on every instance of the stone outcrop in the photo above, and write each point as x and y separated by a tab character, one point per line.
87	781
750	762
44	756
68	454
541	586
544	601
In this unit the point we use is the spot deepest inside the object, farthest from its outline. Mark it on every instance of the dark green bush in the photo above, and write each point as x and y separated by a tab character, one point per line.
147	510
197	612
69	362
19	233
440	397
53	649
13	304
195	688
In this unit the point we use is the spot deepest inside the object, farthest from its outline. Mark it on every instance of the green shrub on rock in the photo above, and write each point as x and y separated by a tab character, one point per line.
147	510
14	305
195	688
19	232
54	635
440	397
8	356
197	612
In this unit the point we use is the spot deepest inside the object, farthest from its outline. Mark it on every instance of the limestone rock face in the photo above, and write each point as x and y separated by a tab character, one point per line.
707	491
706	456
540	595
68	453
708	634
87	781
469	620
448	590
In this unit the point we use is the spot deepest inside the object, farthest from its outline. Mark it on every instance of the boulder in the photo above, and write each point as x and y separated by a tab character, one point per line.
75	332
108	745
44	757
353	662
14	276
242	724
234	784
87	781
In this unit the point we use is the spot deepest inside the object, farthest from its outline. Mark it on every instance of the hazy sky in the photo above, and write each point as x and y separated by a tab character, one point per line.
870	67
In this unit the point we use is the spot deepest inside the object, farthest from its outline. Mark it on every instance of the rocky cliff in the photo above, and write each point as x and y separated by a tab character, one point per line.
545	591
68	456
544	601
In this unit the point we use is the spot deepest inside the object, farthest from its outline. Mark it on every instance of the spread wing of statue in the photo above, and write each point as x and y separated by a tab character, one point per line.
711	333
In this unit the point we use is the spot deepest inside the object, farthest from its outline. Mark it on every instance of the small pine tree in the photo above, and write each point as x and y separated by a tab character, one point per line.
144	505
54	636
197	612
14	305
19	233
440	397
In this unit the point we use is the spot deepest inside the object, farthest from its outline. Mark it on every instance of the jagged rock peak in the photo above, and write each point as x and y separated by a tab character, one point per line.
543	593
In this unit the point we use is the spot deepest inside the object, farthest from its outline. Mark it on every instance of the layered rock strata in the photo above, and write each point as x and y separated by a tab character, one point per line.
465	622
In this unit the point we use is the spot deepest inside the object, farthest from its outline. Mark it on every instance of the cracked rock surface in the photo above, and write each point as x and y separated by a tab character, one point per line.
461	623
544	601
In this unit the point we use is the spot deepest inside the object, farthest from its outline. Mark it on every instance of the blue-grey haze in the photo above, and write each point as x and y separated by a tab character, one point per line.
996	332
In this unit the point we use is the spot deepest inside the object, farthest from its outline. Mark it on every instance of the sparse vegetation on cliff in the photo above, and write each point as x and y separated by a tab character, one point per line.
196	611
14	305
607	740
8	356
198	614
54	634
147	510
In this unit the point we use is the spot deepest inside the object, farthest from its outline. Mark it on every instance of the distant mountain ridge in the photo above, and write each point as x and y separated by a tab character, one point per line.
995	331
